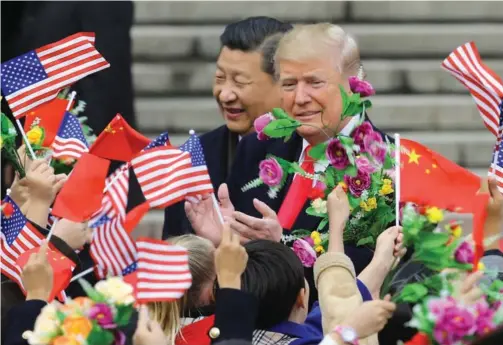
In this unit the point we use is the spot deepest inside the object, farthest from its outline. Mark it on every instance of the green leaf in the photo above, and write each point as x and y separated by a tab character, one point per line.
318	151
388	162
281	128
91	292
279	113
432	240
351	171
330	178
346	141
353	202
295	168
99	336
322	224
60	316
413	293
301	232
123	315
312	212
345	100
366	240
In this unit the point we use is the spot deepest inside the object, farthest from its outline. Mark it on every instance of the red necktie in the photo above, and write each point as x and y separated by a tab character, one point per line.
297	194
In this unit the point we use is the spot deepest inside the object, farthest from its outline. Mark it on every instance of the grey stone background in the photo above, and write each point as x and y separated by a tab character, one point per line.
402	44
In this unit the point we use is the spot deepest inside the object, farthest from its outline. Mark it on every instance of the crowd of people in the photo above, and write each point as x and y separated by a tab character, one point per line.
248	285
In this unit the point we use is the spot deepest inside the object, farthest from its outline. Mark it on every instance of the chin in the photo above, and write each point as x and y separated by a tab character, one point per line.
239	127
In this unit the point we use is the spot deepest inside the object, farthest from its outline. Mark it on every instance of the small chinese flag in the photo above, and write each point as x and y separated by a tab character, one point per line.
427	178
119	141
82	194
49	116
62	268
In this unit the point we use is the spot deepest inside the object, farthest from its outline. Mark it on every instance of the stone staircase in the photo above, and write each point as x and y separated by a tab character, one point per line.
402	44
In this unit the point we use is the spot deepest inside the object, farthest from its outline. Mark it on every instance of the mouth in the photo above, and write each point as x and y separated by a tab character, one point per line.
233	113
307	115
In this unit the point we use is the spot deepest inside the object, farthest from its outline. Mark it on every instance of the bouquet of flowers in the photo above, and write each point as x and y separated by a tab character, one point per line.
8	144
92	320
361	163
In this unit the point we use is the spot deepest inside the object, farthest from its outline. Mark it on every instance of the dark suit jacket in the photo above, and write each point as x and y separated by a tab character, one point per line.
219	146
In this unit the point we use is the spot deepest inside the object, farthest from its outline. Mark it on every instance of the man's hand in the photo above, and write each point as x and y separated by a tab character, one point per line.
40	181
251	228
148	332
37	275
76	235
230	260
204	218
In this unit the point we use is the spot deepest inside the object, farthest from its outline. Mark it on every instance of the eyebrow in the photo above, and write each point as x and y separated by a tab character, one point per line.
235	71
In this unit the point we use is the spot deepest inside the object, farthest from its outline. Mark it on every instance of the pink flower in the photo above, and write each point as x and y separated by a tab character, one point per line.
364	165
119	338
305	252
375	146
260	123
363	87
318	191
357	184
270	172
484	317
361	132
309	240
336	154
464	253
453	323
437	306
102	313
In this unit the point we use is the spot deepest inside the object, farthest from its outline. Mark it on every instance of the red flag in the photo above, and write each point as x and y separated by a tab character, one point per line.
119	141
81	195
49	115
135	216
427	178
61	265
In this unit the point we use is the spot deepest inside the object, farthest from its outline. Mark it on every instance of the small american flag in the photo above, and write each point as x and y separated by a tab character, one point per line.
70	140
18	236
167	175
161	140
36	77
112	249
485	86
163	271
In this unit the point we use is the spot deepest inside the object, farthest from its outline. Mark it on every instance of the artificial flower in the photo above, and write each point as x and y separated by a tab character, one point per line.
344	186
464	253
357	184
318	191
319	205
65	340
455	323
304	252
419	338
309	240
115	290
46	326
76	305
387	187
7	209
336	154
369	205
363	87
270	172
364	165
484	317
454	229
434	215
119	338
260	123
77	326
360	132
481	266
102	313
375	147
35	135
320	249
315	236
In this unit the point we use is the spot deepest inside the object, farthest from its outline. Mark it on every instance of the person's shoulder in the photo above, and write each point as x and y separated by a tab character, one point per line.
214	133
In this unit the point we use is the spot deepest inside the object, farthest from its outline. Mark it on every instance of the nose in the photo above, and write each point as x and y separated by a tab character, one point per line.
227	95
301	95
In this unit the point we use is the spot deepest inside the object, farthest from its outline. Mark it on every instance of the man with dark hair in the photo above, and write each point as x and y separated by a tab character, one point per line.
244	88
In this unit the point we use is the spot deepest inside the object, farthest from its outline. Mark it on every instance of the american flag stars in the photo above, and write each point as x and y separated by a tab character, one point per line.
22	72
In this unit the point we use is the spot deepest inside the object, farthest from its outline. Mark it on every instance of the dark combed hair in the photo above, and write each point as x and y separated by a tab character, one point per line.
275	276
249	34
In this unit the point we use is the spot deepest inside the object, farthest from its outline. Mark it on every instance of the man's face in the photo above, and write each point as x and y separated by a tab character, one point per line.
243	91
310	94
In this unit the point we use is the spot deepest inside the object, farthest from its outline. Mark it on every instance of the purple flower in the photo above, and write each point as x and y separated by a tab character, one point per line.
270	172
260	123
484	317
364	165
363	87
119	338
453	324
464	253
375	146
357	184
361	132
102	313
336	154
437	306
309	240
305	252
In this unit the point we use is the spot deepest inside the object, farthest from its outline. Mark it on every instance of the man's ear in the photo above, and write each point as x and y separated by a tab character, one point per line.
301	300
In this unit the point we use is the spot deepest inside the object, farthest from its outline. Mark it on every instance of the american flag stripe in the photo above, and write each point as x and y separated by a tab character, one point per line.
163	271
68	147
64	63
112	249
485	86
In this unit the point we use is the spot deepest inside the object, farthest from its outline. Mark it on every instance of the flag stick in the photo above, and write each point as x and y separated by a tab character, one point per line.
217	207
52	228
25	138
397	179
81	274
70	100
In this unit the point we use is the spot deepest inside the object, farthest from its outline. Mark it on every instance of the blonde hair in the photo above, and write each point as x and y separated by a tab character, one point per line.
202	268
315	41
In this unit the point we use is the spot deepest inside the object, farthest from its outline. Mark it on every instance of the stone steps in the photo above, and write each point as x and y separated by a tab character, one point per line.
398	76
227	11
155	42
